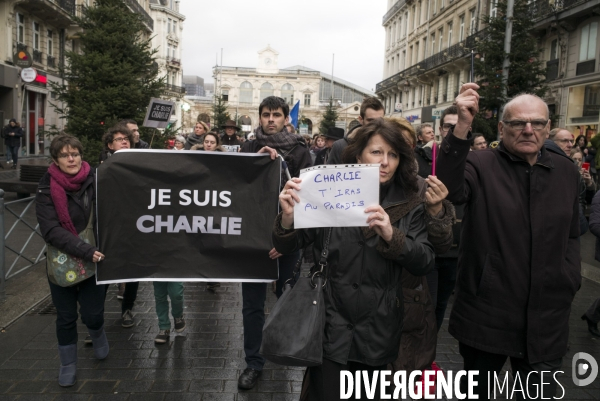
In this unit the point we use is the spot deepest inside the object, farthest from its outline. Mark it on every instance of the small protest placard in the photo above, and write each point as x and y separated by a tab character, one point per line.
159	113
231	148
336	195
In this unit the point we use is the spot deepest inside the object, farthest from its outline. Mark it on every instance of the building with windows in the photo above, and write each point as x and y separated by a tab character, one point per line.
167	39
569	32
194	85
427	54
43	30
244	88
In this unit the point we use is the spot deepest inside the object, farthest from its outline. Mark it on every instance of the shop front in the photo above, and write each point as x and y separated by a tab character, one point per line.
583	109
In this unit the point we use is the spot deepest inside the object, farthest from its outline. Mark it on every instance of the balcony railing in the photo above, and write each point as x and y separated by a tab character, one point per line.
551	70
392	11
21	46
174	61
37	56
137	8
67	5
540	9
175	88
458	50
51	61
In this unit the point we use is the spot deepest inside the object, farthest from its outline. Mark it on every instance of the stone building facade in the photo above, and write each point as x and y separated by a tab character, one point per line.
427	54
244	89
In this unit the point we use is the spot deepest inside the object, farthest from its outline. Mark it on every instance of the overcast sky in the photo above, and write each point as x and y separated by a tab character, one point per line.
304	32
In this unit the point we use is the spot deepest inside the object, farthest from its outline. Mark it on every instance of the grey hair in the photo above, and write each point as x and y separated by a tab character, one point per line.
420	129
514	100
555	131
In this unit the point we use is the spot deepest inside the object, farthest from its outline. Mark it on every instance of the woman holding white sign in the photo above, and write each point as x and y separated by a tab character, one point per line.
364	301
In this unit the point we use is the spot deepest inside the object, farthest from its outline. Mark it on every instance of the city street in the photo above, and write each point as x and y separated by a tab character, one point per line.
201	363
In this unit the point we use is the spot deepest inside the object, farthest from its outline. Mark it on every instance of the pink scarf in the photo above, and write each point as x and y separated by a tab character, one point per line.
60	182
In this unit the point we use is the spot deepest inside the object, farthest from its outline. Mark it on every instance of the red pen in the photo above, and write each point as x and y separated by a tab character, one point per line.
433	152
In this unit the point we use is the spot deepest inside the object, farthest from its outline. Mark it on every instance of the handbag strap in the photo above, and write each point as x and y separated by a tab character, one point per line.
322	261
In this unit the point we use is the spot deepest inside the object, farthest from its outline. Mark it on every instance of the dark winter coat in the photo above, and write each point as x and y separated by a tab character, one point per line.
230	140
424	160
519	263
364	302
296	158
595	223
419	332
12	140
322	157
141	145
80	207
335	156
192	140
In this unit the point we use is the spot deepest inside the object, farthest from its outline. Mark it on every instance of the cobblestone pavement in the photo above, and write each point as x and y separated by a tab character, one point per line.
201	363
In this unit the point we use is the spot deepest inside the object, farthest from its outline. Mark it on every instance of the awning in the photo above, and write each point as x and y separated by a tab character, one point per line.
37	89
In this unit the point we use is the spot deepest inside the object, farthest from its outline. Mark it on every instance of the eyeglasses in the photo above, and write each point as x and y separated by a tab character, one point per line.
447	127
67	155
121	139
571	141
519	125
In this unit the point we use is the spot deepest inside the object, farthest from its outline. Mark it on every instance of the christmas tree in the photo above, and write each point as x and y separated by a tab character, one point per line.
329	118
112	77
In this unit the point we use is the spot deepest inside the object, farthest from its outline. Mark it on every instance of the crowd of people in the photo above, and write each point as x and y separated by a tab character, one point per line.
514	272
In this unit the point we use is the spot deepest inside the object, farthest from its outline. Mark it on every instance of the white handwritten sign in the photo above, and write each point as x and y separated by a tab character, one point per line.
336	195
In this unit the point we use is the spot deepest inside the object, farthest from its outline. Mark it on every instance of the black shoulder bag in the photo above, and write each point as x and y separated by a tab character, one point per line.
293	332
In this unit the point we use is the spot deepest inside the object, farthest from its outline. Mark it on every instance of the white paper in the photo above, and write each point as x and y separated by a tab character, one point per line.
336	195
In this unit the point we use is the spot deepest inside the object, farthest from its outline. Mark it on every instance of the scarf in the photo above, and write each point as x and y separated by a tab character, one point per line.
61	182
283	140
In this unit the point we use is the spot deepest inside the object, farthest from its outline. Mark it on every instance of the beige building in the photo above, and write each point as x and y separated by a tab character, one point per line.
167	39
44	30
569	32
427	54
244	89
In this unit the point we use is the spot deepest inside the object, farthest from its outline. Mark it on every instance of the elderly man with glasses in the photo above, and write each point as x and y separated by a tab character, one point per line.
563	138
519	258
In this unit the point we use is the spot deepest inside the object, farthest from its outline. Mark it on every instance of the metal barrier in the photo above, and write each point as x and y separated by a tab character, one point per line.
27	232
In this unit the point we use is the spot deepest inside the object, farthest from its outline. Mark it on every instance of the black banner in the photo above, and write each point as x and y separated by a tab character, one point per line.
186	216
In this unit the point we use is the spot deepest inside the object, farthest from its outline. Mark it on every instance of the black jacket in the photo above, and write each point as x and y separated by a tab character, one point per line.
335	156
595	223
12	140
322	157
230	140
141	145
424	160
80	207
297	158
364	302
519	259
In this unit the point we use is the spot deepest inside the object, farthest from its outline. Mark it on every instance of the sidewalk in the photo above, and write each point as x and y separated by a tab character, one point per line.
201	363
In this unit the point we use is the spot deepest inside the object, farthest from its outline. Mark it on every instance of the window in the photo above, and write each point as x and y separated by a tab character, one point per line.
287	93
554	49
587	44
434	7
246	92
50	43
493	8
441	39
472	22
432	44
399	33
36	36
20	28
168	50
450	34
174	27
417	52
266	90
175	51
415	19
424	48
225	95
406	24
441	4
461	29
457	84
307	99
169	22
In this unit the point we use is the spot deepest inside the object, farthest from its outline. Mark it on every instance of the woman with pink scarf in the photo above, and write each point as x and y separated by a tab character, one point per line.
65	208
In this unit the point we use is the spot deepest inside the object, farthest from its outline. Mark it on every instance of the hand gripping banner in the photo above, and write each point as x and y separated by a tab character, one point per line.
186	216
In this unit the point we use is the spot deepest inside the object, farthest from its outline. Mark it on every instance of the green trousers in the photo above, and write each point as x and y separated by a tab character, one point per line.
173	290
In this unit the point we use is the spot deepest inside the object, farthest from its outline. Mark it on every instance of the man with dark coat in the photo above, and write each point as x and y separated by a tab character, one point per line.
333	134
271	137
12	134
230	139
138	143
519	253
370	109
